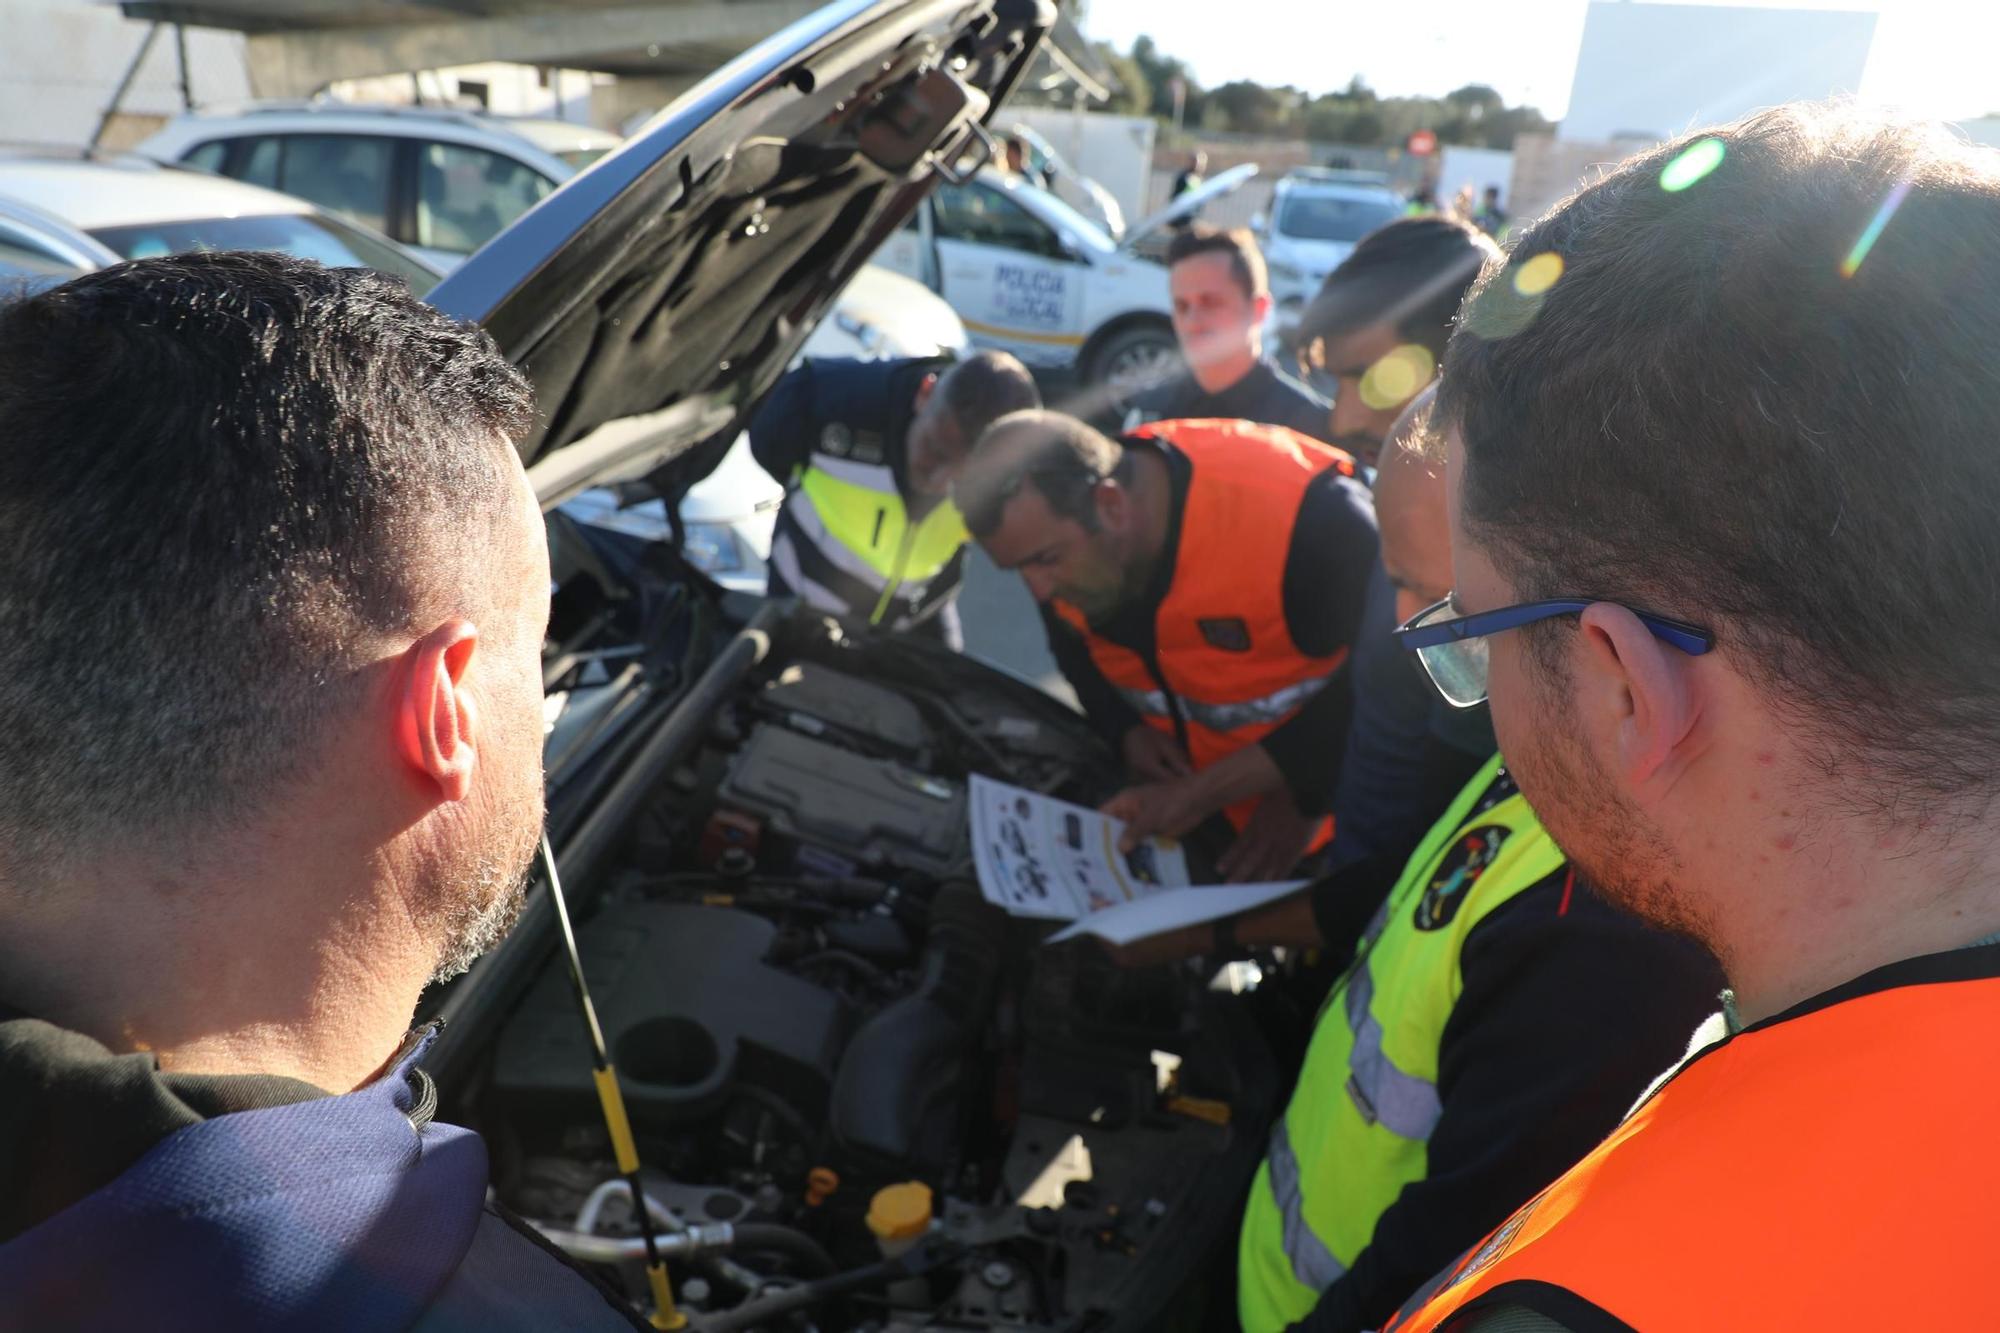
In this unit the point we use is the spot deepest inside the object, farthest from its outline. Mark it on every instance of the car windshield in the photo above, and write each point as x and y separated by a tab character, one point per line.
1066	219
307	235
1332	217
582	157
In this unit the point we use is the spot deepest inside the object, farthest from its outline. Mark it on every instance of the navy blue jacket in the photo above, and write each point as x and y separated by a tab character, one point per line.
335	1213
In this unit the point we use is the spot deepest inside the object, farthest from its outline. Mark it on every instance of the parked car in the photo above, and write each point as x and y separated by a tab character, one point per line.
135	208
96	211
1315	218
762	823
1030	275
1068	184
442	182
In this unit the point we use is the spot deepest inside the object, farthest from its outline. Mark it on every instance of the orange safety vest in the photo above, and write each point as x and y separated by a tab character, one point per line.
1834	1168
1228	672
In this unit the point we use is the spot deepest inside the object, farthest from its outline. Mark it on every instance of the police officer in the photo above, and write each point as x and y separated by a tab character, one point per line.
1746	674
1200	582
1221	298
868	450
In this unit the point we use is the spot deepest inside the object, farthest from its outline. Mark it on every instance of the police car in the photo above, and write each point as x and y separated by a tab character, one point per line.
1030	275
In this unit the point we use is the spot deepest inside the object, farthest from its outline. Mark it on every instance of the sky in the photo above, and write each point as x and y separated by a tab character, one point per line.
1933	57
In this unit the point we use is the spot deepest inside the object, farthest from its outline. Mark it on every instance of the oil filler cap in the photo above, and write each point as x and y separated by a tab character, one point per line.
900	1212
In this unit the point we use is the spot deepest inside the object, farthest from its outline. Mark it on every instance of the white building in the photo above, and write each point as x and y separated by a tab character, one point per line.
1652	71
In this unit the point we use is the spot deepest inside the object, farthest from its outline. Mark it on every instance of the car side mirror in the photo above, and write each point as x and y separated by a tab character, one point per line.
1257	224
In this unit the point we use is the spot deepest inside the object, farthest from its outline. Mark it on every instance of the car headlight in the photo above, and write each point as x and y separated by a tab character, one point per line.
1284	272
712	549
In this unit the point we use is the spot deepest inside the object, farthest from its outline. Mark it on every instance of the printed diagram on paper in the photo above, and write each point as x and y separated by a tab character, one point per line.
1041	857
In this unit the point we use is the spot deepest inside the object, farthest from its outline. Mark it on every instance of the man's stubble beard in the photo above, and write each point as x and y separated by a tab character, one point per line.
484	884
1618	852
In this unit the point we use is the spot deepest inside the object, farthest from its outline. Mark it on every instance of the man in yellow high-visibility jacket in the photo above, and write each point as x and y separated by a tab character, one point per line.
868	450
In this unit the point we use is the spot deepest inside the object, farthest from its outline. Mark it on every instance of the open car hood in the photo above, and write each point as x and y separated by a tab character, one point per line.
1227	182
656	296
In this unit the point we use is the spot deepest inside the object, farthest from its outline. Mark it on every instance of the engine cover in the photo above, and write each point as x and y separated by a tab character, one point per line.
689	1009
875	811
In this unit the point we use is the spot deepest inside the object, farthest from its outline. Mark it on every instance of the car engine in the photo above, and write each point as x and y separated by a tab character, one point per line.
865	1098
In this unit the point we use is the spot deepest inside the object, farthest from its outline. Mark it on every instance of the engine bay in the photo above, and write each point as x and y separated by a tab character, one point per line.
864	1097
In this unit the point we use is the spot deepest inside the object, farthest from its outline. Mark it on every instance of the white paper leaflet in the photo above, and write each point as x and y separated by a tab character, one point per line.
1041	857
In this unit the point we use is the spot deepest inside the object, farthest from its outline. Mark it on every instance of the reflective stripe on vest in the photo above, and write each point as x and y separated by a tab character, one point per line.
1846	1152
1356	1131
845	537
1268	710
1225	671
1312	1263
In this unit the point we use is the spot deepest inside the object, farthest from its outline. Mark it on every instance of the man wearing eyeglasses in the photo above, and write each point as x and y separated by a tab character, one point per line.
1201	582
1497	1020
1746	673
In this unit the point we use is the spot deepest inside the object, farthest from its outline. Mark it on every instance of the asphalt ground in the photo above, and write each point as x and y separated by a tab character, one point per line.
1002	626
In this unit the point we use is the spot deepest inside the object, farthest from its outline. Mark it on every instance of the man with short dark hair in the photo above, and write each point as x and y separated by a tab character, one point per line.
273	589
1380	321
1221	298
868	450
1744	669
1201	582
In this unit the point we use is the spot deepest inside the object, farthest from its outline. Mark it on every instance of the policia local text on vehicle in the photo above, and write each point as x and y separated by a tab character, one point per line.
868	450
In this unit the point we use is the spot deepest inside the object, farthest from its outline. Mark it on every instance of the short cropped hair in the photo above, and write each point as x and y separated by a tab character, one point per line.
1246	261
1061	456
1412	273
983	388
1747	380
221	477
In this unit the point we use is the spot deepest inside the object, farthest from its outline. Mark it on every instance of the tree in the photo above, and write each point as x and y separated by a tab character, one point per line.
1134	94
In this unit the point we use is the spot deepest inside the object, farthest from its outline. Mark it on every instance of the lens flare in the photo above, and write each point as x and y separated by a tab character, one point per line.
1539	274
1691	164
1873	232
1395	379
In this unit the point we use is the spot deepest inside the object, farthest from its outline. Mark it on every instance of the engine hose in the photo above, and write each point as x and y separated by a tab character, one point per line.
931	1254
788	1241
706	1238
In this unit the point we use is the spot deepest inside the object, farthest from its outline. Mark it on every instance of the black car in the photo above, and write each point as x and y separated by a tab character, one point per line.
760	815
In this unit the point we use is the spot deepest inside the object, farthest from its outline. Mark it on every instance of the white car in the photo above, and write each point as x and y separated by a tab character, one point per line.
1315	219
1030	275
67	215
442	182
135	208
727	517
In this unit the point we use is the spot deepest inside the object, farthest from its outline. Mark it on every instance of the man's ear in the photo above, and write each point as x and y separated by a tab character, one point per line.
1644	689
1114	505
1260	308
437	720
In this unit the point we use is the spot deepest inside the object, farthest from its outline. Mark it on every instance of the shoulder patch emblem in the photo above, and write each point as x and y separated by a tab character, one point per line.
1452	881
1229	633
836	438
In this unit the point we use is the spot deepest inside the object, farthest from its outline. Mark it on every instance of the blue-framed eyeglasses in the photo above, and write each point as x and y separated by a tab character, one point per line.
1454	652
